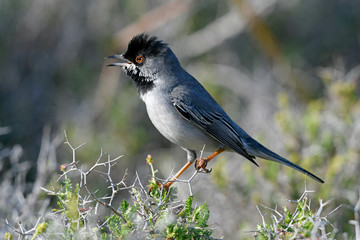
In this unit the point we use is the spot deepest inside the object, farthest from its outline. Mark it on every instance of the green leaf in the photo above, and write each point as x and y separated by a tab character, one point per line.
188	204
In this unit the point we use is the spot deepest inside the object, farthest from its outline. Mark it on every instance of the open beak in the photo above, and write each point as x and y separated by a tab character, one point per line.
119	56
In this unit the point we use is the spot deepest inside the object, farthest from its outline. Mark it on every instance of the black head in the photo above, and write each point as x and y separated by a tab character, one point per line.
145	58
144	46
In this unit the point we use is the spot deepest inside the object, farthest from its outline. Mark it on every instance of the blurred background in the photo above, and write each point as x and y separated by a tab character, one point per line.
286	71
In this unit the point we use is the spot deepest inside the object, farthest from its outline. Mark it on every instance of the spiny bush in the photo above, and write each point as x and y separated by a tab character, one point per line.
301	223
149	214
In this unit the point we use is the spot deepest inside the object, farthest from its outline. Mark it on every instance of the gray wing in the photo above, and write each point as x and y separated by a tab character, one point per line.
215	123
196	105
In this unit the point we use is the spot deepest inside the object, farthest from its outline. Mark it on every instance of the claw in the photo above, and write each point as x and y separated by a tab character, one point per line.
196	165
201	164
207	170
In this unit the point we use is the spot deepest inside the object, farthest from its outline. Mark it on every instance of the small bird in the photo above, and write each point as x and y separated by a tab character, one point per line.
183	111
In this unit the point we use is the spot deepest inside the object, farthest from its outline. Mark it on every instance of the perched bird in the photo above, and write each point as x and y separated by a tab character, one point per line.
183	111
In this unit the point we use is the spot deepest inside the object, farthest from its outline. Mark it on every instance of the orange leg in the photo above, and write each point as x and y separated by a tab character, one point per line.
168	184
199	164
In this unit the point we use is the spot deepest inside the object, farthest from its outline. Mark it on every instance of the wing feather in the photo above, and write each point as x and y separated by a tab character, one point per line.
215	124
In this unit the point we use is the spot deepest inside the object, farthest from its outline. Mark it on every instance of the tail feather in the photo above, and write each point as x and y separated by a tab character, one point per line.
258	150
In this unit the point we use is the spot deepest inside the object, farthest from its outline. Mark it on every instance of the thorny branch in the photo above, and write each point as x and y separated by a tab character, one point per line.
281	223
139	193
21	230
84	174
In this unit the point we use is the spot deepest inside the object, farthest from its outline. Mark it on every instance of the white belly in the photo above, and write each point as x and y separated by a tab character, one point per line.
176	128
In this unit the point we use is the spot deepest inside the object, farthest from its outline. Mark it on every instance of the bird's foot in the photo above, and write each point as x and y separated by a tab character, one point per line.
201	164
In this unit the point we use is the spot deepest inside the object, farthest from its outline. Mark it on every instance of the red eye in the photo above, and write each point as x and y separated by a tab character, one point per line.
139	59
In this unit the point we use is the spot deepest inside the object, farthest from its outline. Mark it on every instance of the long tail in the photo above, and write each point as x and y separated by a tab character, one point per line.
258	150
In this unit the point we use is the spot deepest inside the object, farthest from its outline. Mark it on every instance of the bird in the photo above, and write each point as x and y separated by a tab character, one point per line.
183	111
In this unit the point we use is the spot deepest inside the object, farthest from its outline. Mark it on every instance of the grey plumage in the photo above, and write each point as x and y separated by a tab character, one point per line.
180	107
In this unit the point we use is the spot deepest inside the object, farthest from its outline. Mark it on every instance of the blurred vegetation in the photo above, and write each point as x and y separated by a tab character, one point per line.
301	100
326	136
302	223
